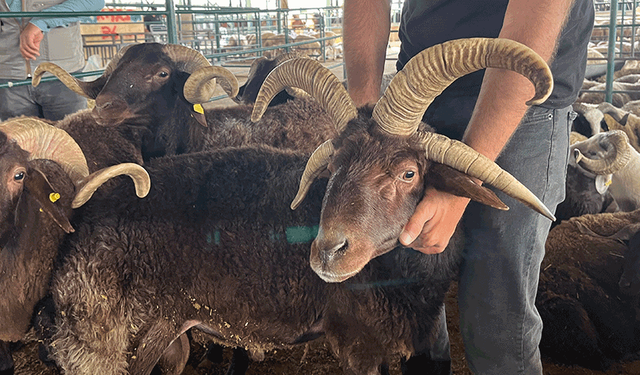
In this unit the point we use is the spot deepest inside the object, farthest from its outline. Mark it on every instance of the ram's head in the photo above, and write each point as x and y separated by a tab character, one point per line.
385	157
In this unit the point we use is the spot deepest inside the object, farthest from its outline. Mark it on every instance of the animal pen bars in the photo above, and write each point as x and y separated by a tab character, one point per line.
224	35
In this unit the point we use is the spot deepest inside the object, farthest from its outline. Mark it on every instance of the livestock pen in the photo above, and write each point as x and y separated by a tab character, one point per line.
315	359
229	36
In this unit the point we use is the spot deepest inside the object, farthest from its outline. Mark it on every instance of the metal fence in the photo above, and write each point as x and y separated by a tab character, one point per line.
616	37
226	36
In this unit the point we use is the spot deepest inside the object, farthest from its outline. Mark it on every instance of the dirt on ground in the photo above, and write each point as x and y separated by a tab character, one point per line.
312	359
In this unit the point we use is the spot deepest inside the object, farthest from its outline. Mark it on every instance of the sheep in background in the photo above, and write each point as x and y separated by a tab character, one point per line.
258	71
589	120
310	49
632	92
142	91
331	45
628	123
589	318
615	163
585	193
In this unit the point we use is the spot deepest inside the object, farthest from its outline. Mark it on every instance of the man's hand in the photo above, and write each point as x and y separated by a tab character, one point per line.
30	39
434	221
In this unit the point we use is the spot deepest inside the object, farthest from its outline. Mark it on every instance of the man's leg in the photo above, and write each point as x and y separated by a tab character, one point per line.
500	325
57	100
17	101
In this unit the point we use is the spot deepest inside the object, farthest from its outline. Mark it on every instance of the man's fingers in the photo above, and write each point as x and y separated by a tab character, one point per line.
414	227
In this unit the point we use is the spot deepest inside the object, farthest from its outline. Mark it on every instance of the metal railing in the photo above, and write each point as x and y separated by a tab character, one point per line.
220	33
617	32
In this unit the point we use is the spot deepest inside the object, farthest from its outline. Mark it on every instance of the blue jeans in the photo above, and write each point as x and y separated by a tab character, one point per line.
500	325
50	100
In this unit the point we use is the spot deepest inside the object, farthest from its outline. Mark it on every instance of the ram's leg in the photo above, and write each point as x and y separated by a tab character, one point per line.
162	346
174	358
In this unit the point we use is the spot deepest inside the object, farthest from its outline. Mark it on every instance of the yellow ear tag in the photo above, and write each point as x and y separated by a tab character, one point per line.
198	108
53	197
608	182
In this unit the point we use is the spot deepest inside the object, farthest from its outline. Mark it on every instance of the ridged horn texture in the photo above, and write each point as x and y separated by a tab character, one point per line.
200	85
615	159
400	110
87	89
310	76
189	60
315	165
92	182
44	141
463	158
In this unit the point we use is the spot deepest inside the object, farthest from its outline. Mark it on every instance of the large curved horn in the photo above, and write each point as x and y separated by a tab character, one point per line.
400	109
92	182
187	59
463	158
200	85
616	157
310	76
89	90
316	164
44	141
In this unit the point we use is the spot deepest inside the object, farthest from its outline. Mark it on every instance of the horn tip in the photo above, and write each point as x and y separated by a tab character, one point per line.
143	191
296	202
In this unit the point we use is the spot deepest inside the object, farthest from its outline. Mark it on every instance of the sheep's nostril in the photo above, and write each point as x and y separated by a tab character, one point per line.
337	250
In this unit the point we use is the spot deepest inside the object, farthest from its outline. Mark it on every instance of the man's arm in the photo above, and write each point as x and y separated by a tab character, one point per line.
45	24
33	33
498	111
366	30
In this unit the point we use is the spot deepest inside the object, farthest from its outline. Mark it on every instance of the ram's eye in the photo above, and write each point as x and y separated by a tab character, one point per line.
19	176
163	74
408	175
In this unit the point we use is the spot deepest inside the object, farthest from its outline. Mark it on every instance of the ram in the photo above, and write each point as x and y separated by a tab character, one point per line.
45	176
182	259
156	90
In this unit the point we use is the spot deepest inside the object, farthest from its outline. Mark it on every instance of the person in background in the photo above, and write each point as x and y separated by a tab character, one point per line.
499	323
27	42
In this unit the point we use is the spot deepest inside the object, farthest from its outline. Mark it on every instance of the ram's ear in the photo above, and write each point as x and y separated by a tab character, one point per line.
447	179
38	186
197	112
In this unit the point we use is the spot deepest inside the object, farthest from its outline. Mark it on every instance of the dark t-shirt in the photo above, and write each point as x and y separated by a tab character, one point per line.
429	22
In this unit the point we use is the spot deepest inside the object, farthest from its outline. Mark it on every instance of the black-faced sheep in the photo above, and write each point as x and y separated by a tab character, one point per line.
586	302
152	88
160	258
45	176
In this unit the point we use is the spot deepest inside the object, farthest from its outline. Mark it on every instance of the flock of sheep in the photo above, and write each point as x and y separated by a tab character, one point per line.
309	44
132	228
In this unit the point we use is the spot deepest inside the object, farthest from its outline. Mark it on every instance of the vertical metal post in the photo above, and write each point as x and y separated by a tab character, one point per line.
217	29
611	51
171	22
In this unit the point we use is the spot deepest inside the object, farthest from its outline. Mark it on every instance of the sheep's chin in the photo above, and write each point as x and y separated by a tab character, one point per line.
331	277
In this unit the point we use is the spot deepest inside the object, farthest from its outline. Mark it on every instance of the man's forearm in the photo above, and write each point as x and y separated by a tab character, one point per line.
68	6
500	105
366	34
